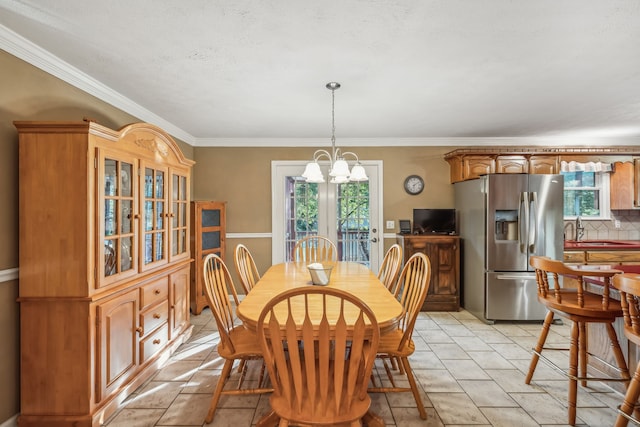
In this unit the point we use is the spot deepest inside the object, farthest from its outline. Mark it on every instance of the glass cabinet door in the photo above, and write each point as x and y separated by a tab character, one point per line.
154	216
179	236
117	214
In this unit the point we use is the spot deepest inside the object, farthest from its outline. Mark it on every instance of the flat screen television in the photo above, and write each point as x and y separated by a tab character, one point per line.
436	221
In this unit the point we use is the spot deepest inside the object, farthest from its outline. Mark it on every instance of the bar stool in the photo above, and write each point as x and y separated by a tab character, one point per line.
580	307
629	286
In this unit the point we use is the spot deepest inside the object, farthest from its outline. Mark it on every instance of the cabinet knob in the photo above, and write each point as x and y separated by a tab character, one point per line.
157	292
156	316
136	216
157	341
139	330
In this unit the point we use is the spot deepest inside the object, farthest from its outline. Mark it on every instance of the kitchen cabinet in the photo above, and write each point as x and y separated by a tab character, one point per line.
474	166
544	164
207	237
104	265
466	164
623	184
444	255
512	164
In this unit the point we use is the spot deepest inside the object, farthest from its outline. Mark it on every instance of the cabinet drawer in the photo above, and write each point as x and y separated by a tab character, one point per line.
574	257
154	292
154	317
613	256
155	342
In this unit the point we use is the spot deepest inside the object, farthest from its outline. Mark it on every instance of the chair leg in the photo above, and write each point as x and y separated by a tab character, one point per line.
573	372
226	370
539	345
630	399
617	352
414	387
582	353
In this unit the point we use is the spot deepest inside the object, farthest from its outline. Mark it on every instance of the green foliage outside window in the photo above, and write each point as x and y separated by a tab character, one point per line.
581	194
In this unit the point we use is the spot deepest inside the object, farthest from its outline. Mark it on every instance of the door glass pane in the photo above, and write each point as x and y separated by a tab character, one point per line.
125	254
354	243
126	174
148	248
175	187
110	177
110	259
301	210
148	215
210	218
148	182
159	252
159	185
210	240
110	217
127	216
159	215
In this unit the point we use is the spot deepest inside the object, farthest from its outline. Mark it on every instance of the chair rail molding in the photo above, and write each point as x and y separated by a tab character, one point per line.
7	276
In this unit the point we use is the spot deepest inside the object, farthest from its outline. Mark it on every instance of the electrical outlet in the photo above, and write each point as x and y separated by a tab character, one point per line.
391	225
616	223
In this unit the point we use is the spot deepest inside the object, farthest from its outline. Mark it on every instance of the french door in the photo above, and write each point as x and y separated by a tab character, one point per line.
349	214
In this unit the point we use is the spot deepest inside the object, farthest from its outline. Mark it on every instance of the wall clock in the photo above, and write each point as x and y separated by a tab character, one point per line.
413	184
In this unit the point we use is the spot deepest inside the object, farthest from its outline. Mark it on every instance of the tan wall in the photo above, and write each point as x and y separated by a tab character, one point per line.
27	93
242	178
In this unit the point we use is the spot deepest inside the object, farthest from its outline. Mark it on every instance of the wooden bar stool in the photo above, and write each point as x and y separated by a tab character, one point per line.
629	286
580	307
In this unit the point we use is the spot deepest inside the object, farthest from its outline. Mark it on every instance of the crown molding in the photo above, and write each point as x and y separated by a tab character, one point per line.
529	141
33	54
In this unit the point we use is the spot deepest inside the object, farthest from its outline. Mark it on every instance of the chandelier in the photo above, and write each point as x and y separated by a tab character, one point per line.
339	168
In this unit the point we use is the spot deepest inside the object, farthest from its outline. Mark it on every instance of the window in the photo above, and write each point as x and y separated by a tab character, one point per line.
586	194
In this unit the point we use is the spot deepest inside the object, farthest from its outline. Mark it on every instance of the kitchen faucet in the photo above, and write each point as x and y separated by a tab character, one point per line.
579	229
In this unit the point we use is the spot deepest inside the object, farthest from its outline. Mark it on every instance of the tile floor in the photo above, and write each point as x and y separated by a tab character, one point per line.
471	373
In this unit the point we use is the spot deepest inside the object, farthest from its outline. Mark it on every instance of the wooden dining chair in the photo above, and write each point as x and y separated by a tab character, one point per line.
390	268
236	342
581	307
398	344
246	268
314	249
336	337
629	286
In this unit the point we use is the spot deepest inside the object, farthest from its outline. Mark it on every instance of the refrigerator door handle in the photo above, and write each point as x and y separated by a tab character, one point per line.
515	277
533	219
523	221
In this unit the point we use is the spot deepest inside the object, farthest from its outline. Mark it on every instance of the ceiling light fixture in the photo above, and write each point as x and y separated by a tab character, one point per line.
338	169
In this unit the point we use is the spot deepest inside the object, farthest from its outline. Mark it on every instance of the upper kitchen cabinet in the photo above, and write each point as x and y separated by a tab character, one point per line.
471	163
625	179
104	265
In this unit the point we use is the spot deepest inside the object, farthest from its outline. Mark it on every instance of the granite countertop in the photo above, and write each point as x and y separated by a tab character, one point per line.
602	244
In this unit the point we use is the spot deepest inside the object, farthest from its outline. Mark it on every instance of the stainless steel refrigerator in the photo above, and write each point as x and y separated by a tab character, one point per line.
503	219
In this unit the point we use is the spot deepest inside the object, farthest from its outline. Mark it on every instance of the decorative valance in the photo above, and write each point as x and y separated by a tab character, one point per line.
585	167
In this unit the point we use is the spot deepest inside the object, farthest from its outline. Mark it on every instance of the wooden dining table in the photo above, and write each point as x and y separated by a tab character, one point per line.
352	277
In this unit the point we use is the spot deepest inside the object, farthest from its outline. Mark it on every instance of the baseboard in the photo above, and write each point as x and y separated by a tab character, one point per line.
11	422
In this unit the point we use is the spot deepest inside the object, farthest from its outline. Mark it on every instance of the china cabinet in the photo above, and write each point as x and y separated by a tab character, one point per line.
208	220
104	265
444	255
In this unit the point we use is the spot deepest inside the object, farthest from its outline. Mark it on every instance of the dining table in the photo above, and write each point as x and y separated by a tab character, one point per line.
352	277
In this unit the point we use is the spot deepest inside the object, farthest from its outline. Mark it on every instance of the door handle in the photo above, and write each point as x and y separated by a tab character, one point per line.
374	240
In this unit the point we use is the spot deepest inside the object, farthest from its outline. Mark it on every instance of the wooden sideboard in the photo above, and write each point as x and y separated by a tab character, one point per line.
104	265
444	254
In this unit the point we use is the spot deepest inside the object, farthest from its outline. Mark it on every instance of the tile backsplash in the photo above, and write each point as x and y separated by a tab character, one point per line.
606	230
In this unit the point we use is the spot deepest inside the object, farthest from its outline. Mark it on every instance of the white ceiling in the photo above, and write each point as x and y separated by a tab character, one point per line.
412	71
